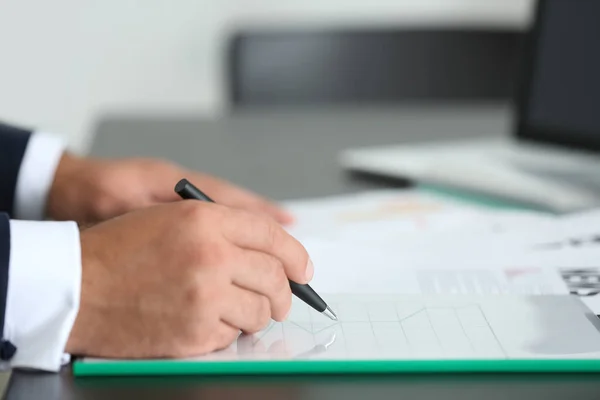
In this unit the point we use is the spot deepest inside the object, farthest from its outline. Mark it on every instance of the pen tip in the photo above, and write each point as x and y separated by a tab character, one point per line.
330	314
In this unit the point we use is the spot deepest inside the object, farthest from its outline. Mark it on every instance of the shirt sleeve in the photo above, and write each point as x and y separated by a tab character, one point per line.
36	175
44	284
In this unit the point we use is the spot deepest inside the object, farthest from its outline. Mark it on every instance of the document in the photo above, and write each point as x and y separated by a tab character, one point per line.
576	231
584	283
434	247
421	327
399	210
394	214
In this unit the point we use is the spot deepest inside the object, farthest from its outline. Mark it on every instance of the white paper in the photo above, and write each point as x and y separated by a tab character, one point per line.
402	327
399	210
393	214
578	231
392	251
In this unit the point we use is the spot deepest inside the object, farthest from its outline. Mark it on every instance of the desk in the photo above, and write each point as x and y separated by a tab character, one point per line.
288	155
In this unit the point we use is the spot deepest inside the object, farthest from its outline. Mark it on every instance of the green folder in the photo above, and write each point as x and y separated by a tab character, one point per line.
147	368
473	197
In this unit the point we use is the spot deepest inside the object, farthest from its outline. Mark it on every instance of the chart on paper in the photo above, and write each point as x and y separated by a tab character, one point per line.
386	327
419	327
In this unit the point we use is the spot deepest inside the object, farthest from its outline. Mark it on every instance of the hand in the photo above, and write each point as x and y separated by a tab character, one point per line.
89	190
182	279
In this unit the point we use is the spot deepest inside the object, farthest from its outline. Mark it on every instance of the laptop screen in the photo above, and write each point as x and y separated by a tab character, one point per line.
561	96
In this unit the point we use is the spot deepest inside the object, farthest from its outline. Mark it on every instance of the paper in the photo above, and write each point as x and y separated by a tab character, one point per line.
479	267
380	327
400	210
415	243
576	231
396	215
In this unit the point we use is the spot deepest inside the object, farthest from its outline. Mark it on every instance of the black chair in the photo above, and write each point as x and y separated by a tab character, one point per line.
377	66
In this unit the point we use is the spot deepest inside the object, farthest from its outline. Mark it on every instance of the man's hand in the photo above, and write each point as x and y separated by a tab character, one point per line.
182	279
89	190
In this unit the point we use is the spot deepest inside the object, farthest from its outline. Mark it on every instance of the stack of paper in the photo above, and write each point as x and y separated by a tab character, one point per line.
412	242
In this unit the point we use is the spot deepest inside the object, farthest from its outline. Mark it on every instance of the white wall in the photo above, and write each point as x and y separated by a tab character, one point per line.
65	62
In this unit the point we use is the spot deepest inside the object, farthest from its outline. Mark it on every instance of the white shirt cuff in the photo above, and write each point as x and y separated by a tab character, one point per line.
44	284
36	175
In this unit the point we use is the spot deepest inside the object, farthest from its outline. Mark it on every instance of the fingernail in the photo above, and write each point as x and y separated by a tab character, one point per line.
310	270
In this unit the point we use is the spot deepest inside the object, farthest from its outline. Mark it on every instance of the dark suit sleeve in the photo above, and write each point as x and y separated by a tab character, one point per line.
7	349
13	142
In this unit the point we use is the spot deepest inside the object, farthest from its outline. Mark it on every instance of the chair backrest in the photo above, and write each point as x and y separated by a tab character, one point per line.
311	67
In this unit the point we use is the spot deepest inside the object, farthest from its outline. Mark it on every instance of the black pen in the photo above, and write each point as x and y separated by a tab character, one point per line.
187	191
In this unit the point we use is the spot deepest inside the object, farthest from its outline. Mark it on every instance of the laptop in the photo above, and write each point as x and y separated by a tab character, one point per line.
552	157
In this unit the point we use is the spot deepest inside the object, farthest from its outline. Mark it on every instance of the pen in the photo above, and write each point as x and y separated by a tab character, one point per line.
187	191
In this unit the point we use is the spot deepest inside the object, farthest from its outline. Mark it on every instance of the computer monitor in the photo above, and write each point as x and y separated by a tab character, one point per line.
559	101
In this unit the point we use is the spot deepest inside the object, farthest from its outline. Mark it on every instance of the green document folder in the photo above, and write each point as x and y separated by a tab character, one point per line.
401	334
332	367
495	202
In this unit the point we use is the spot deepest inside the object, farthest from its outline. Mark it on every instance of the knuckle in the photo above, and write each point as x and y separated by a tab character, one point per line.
105	206
201	294
195	212
194	299
213	255
300	253
299	262
207	256
272	232
200	214
286	303
283	301
262	315
276	275
282	289
284	306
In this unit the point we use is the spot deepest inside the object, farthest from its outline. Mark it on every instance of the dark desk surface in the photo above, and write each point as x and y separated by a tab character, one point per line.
290	155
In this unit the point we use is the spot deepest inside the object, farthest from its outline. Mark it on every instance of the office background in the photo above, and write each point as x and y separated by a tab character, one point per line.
86	59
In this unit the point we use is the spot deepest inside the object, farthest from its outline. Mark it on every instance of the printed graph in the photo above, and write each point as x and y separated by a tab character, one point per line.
384	330
582	282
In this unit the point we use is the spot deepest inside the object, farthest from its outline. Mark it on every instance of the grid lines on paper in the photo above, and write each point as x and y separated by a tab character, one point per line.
395	330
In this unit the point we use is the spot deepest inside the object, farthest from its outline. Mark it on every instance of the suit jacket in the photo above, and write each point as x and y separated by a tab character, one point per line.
4	262
13	142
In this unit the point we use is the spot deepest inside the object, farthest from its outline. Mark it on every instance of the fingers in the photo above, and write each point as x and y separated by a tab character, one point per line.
264	275
245	310
225	335
220	338
274	211
253	232
230	195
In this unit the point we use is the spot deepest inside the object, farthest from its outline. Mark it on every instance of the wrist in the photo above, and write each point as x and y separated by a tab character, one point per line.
62	196
84	327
